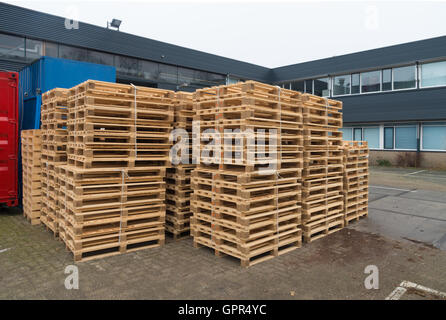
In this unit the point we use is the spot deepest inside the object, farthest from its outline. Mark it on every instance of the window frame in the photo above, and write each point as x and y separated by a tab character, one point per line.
422	135
350	85
393	78
350	128
380	81
421	76
379	136
394	136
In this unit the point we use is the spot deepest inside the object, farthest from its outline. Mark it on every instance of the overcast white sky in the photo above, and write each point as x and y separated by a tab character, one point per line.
268	33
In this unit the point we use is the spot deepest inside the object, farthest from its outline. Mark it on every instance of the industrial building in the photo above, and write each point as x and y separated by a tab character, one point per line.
394	97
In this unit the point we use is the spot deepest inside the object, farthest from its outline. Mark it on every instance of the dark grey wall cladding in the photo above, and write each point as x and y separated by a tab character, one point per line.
425	104
398	54
34	24
11	66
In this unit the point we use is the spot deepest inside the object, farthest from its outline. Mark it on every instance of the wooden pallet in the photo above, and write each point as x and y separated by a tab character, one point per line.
356	180
321	228
31	144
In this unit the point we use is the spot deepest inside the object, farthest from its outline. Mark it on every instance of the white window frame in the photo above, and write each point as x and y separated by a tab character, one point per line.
379	129
351	128
380	81
393	78
394	136
421	137
350	87
421	78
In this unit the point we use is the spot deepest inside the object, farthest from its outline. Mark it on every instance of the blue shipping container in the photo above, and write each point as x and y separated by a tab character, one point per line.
48	73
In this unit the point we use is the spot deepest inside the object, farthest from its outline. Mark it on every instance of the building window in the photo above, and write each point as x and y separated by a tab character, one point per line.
406	138
433	74
309	86
100	57
298	86
388	138
357	134
355	83
404	77
51	49
34	49
12	47
347	134
341	85
371	135
168	74
127	66
387	79
321	87
434	137
371	81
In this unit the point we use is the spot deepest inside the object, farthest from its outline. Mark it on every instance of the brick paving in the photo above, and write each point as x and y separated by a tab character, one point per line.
32	265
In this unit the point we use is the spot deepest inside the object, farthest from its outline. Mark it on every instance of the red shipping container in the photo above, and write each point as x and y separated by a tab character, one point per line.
8	137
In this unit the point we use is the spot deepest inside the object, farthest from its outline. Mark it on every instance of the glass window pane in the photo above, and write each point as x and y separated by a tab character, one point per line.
404	77
51	49
67	52
388	138
347	134
371	81
433	74
387	79
355	83
185	76
357	134
127	66
371	135
341	85
297	86
232	80
100	57
406	137
168	73
434	137
34	49
149	70
13	47
321	87
309	86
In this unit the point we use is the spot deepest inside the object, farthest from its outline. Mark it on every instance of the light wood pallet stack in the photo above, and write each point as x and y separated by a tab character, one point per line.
238	210
323	200
54	113
113	188
178	183
356	180
31	174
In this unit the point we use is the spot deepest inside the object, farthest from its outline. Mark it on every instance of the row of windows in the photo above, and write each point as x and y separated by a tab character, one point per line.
21	48
407	77
400	137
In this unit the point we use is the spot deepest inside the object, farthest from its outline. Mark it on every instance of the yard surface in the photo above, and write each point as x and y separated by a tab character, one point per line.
404	236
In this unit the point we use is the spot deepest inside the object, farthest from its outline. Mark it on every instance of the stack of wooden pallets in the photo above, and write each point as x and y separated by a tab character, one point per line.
31	174
113	188
54	113
356	180
238	208
178	183
322	199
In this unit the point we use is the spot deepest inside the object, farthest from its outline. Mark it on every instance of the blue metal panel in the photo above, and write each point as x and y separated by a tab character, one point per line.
48	73
63	73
